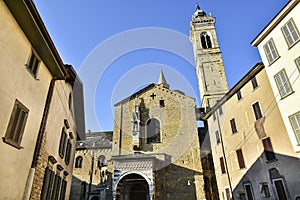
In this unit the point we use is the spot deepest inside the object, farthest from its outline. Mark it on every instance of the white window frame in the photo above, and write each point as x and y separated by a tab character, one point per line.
290	33
250	189
284	187
284	87
271	53
296	129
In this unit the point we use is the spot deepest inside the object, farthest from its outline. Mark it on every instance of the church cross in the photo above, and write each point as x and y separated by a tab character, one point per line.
153	95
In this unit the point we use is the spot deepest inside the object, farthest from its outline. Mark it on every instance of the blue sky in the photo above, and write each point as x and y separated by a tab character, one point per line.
118	47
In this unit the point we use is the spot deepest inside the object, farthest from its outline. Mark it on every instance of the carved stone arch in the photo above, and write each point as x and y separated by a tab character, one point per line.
206	40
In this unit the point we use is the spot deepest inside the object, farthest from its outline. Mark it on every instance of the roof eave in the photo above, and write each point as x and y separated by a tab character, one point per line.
26	14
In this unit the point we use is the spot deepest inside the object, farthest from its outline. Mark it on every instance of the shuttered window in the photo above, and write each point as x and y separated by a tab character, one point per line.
240	158
283	84
271	51
16	125
270	155
254	83
290	33
33	64
295	122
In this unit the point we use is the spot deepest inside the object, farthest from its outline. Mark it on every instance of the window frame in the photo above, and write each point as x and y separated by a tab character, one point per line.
16	125
153	139
240	157
218	138
251	190
298	124
78	162
63	143
33	64
254	83
297	61
254	111
287	82
290	33
233	126
267	44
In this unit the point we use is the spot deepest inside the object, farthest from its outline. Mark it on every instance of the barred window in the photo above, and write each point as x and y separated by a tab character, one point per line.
16	125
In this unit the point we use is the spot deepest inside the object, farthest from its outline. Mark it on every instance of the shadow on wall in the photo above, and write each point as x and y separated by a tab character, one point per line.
80	190
274	176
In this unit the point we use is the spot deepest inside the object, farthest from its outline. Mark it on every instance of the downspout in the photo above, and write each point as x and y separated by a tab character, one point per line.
225	160
38	144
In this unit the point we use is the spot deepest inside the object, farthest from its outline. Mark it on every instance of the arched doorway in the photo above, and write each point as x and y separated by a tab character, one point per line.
132	187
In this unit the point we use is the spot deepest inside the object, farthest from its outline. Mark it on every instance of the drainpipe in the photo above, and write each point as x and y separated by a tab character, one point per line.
38	144
225	160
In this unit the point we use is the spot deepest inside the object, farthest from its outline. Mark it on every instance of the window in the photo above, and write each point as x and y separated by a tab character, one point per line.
280	189
298	63
270	155
214	116
63	190
271	51
62	143
78	162
68	152
33	64
227	193
290	33
162	103
240	157
283	84
153	131
217	136
101	161
222	164
249	192
16	125
233	125
257	111
264	190
254	83
295	121
220	110
239	95
205	41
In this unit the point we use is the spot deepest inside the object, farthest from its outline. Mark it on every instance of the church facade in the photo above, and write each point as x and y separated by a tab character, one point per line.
156	146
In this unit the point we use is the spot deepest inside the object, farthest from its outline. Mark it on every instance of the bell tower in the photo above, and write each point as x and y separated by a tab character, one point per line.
208	58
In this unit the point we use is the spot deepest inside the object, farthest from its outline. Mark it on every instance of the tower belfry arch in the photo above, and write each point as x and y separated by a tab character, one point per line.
208	58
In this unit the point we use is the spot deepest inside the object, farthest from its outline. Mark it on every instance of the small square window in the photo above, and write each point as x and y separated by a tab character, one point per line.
33	64
16	125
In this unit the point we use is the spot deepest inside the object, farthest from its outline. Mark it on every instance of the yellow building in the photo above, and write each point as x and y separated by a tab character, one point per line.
40	118
252	153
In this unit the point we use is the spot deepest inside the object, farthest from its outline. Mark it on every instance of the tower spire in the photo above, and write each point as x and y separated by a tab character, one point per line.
162	80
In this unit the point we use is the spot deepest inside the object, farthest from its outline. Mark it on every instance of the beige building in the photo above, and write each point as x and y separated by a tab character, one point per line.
41	120
91	177
279	47
156	147
252	153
